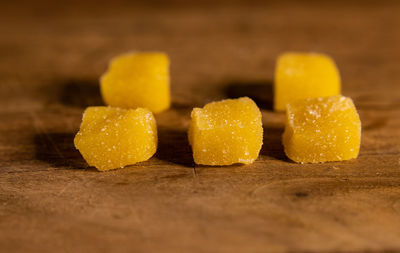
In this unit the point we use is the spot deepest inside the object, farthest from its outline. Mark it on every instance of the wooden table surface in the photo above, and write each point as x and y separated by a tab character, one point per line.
51	56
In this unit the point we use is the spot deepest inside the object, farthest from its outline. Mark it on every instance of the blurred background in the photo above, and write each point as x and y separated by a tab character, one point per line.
211	43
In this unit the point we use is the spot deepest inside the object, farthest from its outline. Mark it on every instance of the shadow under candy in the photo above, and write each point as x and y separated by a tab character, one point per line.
260	91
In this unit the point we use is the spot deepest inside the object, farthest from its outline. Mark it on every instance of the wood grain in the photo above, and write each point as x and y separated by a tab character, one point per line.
52	54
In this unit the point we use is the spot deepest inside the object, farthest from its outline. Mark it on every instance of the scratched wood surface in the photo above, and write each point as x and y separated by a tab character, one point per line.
51	56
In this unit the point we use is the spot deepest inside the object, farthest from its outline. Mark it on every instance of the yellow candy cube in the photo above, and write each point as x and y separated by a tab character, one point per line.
301	75
111	138
322	129
226	132
137	80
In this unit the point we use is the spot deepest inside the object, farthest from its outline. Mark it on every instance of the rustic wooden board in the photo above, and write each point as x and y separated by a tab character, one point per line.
52	54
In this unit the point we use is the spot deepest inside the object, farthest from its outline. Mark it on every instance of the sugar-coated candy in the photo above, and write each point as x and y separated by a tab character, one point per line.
226	132
137	80
304	75
322	129
111	138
